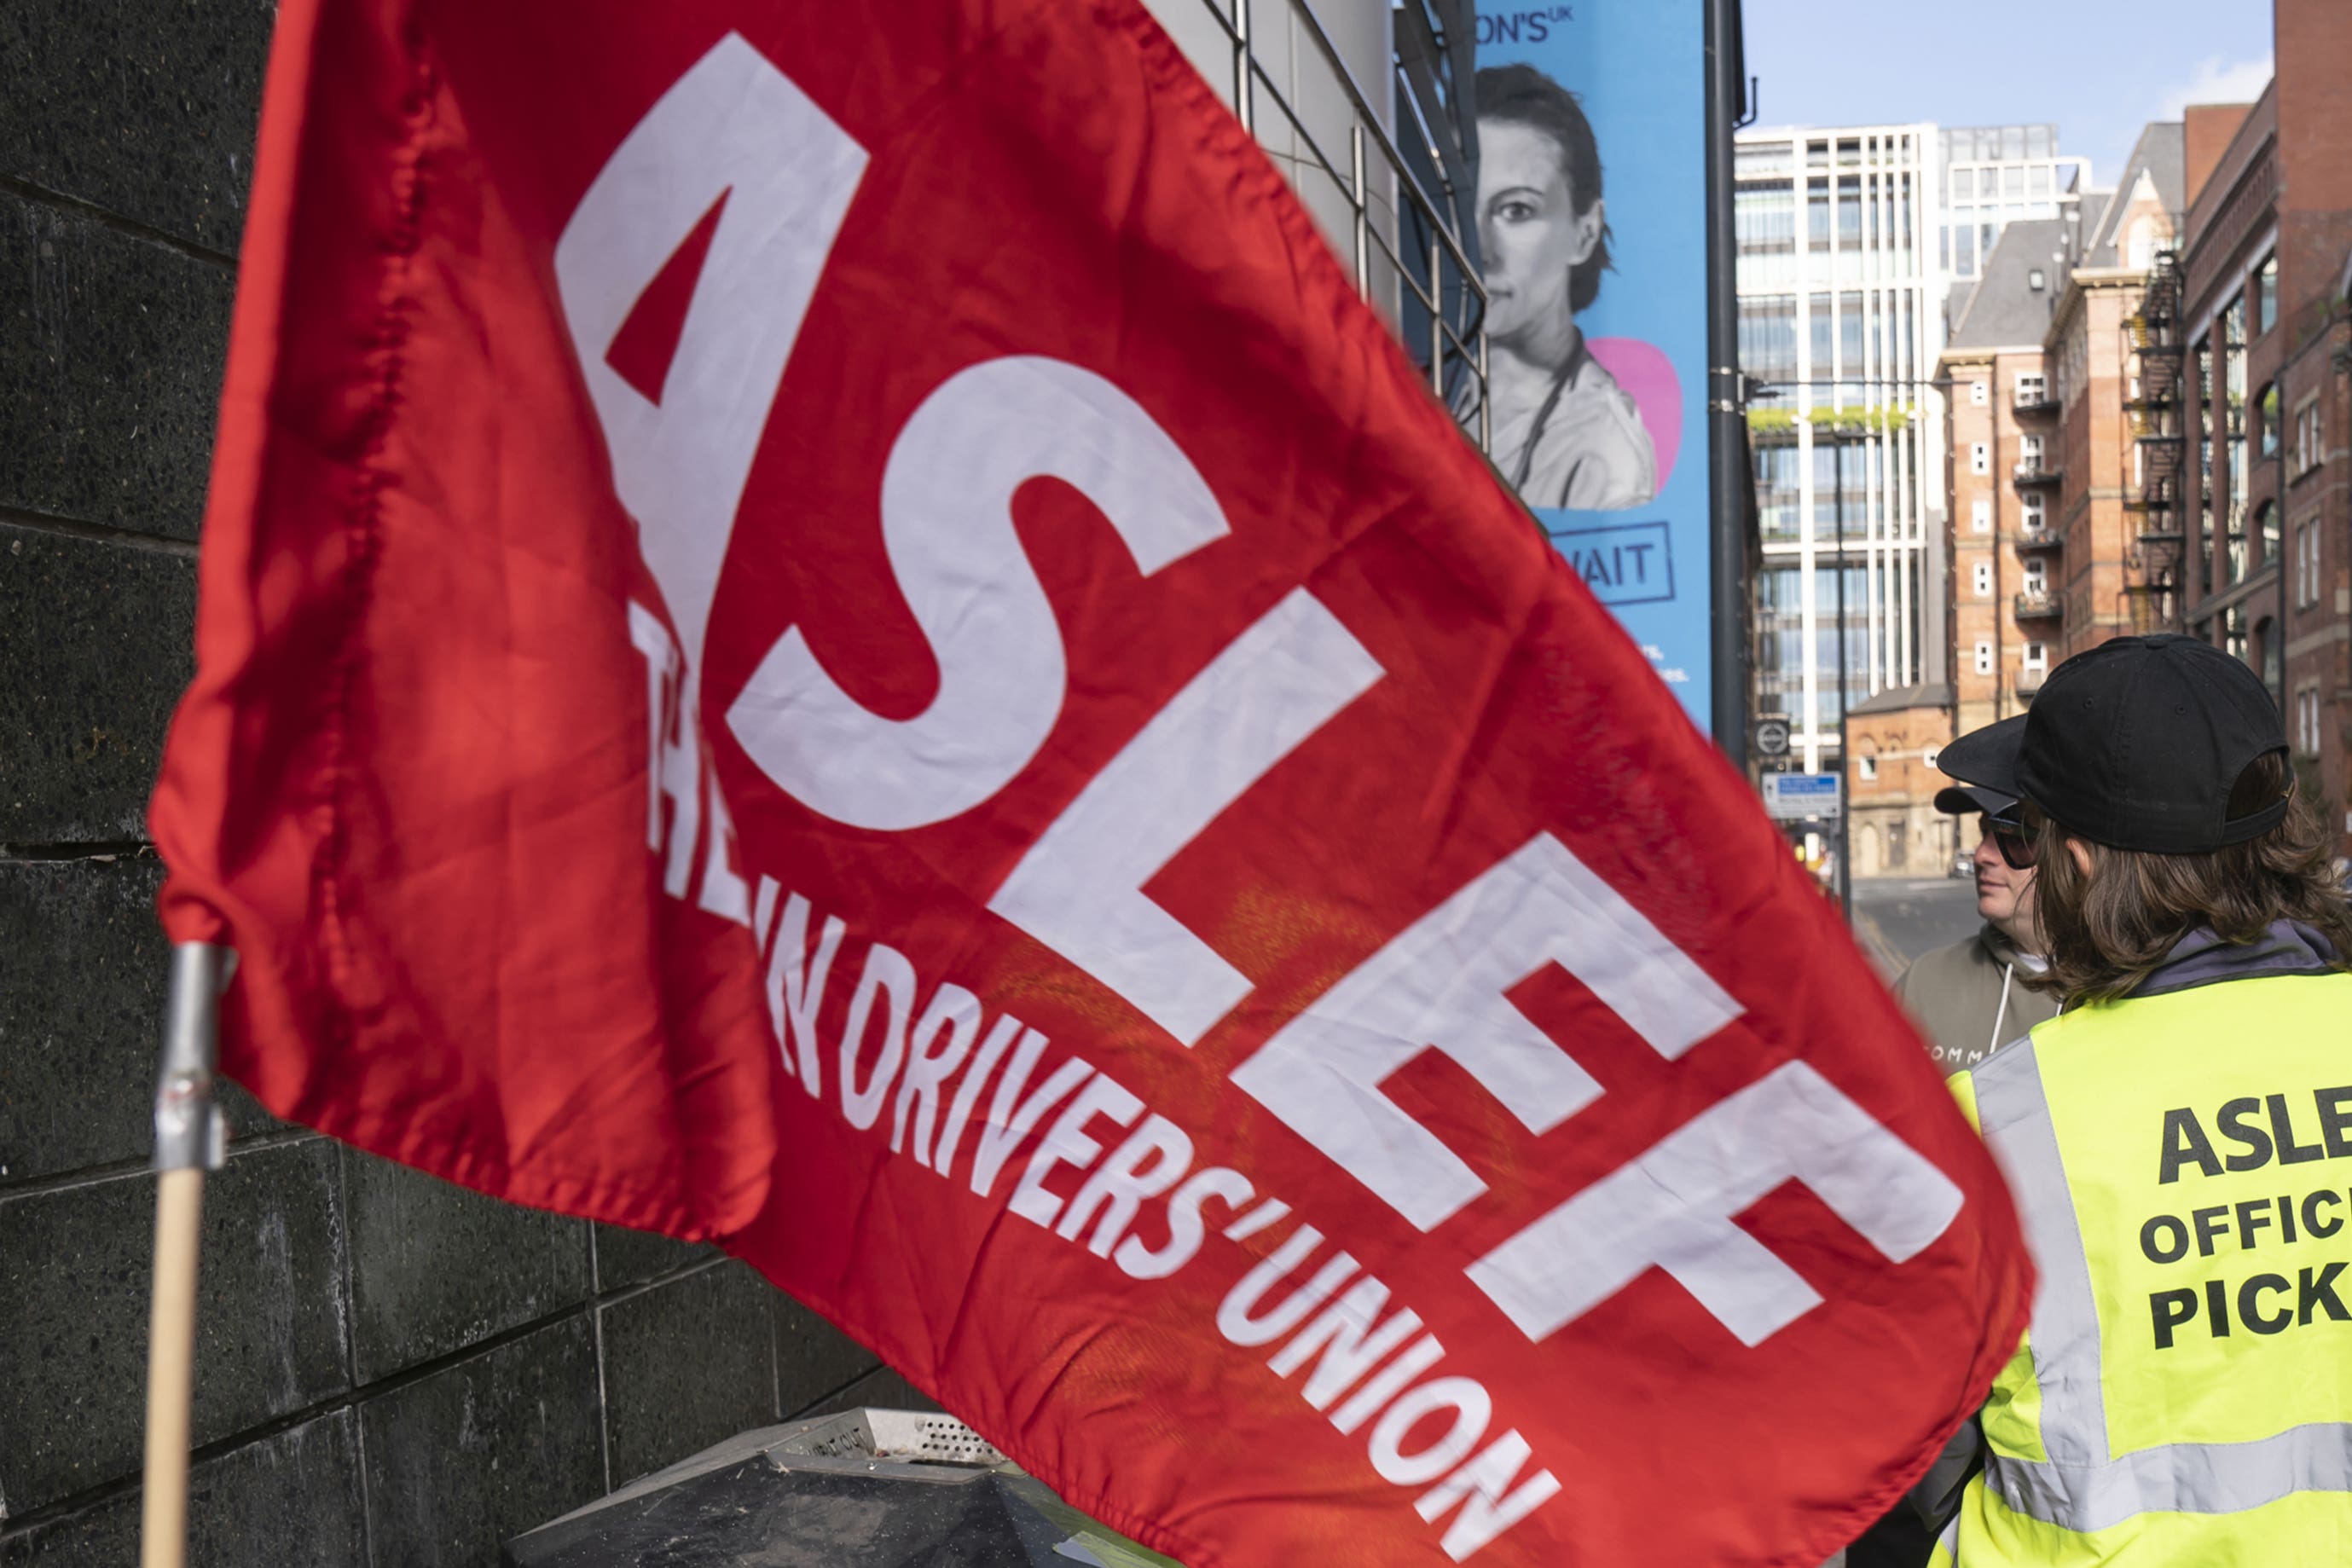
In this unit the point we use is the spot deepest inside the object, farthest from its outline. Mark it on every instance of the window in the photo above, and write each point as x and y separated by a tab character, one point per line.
2266	299
1768	334
2032	519
2267	531
2307	454
1980	516
1868	767
1978	395
1983	579
2307	721
2306	565
2037	658
2037	577
2029	453
1980	457
2267	403
2031	389
1984	658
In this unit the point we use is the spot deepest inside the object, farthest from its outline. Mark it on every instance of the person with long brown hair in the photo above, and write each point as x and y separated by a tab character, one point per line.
2179	1139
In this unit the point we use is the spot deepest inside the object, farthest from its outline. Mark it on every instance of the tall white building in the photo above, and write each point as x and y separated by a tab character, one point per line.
1851	243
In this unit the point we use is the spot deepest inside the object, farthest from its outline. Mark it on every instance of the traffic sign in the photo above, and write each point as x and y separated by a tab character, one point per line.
1772	737
1793	797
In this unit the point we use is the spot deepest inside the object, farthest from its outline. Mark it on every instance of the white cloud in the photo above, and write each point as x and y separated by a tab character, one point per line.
2220	81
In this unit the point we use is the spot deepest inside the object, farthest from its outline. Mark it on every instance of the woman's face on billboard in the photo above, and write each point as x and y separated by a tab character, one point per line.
1529	231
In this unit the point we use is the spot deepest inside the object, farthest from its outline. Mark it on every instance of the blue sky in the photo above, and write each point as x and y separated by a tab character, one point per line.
2099	69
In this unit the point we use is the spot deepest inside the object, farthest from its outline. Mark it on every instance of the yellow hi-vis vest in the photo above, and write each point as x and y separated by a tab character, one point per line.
2183	1164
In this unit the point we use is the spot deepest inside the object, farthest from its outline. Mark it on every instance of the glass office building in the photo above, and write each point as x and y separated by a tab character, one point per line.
1849	240
1988	175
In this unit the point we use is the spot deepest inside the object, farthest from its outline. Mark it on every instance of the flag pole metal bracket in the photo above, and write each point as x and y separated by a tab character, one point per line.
190	1138
190	1134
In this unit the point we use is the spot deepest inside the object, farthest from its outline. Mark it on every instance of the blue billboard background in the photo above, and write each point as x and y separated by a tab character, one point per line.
1637	67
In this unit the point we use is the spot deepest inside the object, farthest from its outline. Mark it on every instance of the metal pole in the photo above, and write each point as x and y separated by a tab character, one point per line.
1241	64
1845	752
1728	478
1362	199
189	1141
1436	314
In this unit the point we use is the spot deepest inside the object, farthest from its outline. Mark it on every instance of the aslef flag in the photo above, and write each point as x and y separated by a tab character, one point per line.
831	626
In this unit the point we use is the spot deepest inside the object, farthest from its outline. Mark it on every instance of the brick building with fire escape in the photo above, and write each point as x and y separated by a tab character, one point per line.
2262	339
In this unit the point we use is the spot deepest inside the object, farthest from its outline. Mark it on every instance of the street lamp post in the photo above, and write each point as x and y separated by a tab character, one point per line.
1845	768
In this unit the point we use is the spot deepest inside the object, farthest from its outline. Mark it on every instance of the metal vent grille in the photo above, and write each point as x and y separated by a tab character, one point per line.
904	1435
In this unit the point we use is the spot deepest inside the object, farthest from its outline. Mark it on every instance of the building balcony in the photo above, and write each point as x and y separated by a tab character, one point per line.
2037	471
2028	403
2155	497
2039	606
2037	536
2029	684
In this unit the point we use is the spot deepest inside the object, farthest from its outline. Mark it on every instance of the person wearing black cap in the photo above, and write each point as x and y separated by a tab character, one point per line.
1970	998
2178	1139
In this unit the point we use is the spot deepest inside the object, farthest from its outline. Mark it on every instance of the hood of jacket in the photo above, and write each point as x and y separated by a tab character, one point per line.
2202	958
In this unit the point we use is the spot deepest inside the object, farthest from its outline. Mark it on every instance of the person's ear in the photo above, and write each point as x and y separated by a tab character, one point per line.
1589	224
2081	851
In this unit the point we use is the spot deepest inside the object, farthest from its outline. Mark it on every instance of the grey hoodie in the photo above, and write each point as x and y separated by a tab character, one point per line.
1970	998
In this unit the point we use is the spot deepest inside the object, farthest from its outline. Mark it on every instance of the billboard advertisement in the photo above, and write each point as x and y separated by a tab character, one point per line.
1593	234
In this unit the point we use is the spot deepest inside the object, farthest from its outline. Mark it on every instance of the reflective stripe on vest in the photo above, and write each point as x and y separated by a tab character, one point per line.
2083	1486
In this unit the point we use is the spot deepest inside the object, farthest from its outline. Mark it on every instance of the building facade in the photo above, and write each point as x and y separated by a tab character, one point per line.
2061	428
1858	247
1839	300
1891	787
1991	176
2119	562
2265	267
2001	419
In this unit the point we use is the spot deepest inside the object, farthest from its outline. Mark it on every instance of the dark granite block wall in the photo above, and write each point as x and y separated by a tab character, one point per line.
391	1370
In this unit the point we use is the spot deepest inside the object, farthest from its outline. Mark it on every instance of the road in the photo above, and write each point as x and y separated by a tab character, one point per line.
1895	920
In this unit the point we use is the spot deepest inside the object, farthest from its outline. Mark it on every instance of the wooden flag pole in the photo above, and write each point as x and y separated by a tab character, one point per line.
189	1139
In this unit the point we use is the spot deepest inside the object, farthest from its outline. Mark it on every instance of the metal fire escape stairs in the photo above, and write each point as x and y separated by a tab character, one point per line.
2155	558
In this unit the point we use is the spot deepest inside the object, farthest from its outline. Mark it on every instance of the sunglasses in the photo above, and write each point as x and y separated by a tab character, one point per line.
2014	833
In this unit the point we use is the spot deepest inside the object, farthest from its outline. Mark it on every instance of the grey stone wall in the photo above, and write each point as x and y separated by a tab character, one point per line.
390	1371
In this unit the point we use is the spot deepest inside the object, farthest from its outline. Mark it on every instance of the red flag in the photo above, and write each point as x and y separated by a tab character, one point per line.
834	628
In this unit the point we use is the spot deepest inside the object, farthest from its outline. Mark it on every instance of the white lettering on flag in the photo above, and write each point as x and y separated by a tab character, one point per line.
1673	1208
946	523
1443	984
1080	889
680	463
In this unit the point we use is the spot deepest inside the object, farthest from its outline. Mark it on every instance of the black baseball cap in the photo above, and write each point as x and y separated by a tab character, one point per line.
1999	740
2136	744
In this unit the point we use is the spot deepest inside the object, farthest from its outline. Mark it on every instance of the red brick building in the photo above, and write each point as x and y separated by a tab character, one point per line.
2266	515
2047	395
2000	405
1897	830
